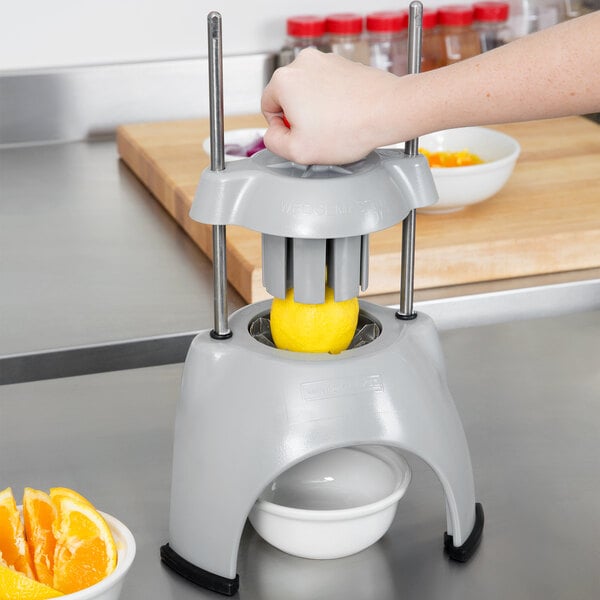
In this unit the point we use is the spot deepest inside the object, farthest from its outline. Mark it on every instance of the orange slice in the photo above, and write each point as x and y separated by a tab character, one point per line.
17	586
462	158
13	547
56	493
39	515
85	549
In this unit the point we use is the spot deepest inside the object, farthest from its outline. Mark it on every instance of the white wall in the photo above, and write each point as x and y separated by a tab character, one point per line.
48	33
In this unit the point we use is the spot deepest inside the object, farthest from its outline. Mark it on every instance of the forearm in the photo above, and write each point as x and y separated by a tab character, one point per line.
549	74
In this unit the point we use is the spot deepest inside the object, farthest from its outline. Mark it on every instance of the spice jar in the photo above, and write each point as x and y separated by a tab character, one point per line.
490	21
387	36
344	35
523	19
460	39
432	54
305	31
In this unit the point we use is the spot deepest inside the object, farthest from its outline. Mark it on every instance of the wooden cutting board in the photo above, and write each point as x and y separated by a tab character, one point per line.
545	220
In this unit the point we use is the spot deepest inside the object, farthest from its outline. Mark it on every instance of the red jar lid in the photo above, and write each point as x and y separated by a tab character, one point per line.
306	26
344	23
430	18
387	21
490	11
459	14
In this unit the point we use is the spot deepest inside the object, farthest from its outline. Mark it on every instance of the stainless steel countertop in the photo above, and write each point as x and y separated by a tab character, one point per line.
88	256
529	396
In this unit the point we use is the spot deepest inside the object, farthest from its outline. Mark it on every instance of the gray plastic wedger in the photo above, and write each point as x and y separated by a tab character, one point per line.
315	219
272	195
248	412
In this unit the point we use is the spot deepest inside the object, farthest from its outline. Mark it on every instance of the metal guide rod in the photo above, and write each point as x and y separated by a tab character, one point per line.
407	274
217	163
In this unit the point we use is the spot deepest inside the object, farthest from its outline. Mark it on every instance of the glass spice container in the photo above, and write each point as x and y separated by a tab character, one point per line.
344	35
303	31
432	55
523	19
490	20
460	39
387	36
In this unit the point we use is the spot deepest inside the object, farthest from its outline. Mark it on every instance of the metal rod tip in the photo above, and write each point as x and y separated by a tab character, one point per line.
416	8
214	25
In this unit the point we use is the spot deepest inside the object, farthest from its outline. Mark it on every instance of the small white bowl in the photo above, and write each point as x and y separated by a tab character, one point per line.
459	187
243	137
334	504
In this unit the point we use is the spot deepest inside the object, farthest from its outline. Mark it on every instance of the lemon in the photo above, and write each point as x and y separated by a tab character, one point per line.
327	327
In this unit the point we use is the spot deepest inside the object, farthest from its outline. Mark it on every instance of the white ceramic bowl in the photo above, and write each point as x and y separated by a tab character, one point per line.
243	137
459	187
333	504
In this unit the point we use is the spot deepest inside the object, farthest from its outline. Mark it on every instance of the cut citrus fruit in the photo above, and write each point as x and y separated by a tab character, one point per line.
13	547
85	549
326	327
56	493
17	586
39	515
462	158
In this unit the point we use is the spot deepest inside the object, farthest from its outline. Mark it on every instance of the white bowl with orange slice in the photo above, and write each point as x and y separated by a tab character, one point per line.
476	163
63	547
466	184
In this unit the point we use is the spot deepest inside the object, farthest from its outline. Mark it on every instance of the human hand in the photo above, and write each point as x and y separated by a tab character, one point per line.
336	109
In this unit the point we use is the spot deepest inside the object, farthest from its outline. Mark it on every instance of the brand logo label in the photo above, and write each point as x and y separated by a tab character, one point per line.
320	209
334	388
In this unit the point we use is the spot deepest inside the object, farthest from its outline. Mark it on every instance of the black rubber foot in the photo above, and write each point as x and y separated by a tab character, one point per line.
205	579
463	553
